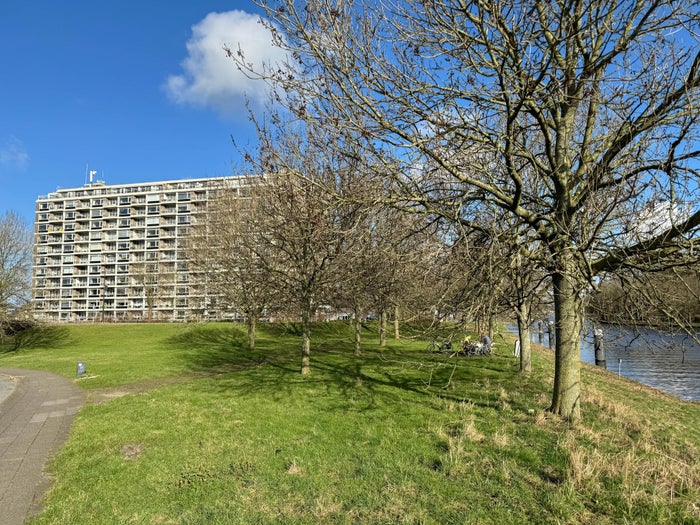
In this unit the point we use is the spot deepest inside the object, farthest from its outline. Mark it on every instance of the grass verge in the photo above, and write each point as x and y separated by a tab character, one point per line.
185	426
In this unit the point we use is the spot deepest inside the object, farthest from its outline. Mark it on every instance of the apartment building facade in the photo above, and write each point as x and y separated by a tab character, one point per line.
116	253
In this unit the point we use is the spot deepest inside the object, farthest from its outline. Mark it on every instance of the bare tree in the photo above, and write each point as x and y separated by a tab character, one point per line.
15	265
300	225
155	280
223	248
569	116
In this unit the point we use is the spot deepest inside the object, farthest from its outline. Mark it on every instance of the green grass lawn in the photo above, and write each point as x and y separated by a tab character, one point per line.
183	425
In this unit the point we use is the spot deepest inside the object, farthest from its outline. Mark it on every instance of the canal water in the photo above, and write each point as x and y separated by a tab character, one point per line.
665	361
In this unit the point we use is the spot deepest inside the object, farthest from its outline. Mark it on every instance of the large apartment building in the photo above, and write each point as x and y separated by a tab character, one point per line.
117	252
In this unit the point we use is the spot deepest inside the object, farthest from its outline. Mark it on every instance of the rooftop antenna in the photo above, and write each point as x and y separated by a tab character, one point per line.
92	175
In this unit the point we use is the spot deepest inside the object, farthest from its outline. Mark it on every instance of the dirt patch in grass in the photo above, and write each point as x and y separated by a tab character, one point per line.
102	395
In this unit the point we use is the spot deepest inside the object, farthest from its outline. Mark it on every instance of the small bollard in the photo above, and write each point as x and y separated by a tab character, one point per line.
80	372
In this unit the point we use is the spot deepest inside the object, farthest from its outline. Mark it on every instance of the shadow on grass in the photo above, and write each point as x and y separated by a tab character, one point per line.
37	337
389	374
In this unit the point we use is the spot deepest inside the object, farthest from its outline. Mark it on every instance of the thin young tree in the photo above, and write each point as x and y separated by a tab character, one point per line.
222	249
300	228
562	114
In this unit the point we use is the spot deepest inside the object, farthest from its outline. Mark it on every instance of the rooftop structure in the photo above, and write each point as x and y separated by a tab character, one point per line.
117	252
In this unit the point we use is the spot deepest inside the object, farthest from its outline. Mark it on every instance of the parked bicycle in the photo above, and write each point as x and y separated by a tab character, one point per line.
441	346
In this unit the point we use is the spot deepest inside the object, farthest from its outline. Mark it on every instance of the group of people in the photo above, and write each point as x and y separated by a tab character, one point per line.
482	346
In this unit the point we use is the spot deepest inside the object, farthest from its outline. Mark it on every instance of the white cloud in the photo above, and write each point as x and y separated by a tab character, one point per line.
209	78
13	153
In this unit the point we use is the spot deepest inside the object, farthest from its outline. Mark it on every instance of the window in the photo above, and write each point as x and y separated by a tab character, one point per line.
124	212
183	196
183	219
96	225
97	202
153	197
152	232
152	221
94	281
96	214
152	245
95	259
67	281
123	234
123	246
153	209
94	269
124	200
68	270
70	215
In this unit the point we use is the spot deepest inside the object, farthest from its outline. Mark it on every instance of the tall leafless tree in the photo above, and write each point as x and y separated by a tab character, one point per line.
571	116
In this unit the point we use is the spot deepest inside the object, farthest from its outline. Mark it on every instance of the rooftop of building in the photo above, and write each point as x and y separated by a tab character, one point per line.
101	188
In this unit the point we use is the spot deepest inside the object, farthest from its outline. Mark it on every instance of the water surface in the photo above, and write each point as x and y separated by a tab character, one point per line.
665	361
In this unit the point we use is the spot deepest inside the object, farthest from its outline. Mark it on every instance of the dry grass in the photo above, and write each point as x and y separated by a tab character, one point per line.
634	454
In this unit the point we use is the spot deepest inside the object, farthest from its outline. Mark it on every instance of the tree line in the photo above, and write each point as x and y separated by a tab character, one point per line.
563	133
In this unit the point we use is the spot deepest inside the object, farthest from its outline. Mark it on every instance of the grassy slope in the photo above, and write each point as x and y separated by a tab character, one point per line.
211	433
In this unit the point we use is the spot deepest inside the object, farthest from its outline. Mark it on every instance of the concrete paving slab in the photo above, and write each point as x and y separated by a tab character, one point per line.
36	411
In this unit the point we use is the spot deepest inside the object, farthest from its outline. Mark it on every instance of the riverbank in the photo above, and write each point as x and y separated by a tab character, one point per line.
662	360
185	425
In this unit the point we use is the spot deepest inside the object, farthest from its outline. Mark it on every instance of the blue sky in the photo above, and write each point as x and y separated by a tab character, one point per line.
137	91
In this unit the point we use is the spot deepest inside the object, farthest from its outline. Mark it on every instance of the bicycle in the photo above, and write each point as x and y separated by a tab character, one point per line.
437	346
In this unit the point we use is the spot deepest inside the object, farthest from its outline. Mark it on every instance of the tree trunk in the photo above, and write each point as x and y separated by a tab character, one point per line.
250	322
566	397
382	328
397	334
523	315
358	331
305	343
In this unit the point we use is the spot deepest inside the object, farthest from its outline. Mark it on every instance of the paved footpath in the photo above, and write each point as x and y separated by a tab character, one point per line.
36	412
